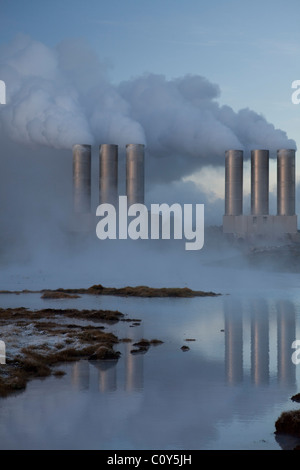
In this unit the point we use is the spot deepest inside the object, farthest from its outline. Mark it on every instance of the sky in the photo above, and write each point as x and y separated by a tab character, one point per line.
250	48
187	78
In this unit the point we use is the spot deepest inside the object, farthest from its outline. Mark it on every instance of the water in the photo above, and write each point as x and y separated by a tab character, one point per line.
226	392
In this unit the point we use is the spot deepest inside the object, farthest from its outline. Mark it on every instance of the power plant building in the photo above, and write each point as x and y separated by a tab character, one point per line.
260	223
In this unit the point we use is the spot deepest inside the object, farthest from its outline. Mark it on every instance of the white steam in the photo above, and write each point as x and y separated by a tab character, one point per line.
60	96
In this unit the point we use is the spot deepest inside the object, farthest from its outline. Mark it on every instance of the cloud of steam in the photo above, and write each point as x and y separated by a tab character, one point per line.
61	96
186	128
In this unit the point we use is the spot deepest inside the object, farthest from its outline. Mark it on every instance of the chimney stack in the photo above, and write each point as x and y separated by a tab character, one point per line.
233	182
135	173
285	182
108	178
82	179
259	182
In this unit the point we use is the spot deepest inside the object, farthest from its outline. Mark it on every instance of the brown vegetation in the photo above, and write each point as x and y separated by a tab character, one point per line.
46	340
128	291
59	295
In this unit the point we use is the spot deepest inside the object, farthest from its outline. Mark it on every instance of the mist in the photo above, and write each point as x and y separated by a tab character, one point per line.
60	96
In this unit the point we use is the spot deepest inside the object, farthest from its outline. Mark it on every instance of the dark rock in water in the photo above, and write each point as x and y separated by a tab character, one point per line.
143	343
289	423
140	350
156	342
185	348
296	397
104	353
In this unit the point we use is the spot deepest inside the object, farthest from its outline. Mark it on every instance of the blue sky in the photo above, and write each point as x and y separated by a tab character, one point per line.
249	48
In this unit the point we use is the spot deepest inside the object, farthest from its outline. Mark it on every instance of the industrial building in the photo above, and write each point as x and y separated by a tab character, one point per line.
83	220
260	223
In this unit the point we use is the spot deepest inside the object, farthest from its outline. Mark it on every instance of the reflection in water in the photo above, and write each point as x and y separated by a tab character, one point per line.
233	341
107	371
81	375
258	313
107	375
134	370
286	334
260	342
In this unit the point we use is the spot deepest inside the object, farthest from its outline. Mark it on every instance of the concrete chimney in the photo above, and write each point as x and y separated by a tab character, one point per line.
285	182
259	182
233	182
82	178
108	174
135	173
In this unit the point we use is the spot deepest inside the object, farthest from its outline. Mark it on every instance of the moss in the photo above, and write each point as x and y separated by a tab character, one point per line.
58	295
64	343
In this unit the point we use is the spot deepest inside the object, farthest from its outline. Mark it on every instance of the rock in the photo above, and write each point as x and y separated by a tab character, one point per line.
143	343
296	397
104	353
289	423
140	350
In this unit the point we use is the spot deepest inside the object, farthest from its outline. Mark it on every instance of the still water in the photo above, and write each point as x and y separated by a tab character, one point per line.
226	392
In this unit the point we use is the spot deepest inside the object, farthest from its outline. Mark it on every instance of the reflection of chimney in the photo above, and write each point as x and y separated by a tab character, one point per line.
135	173
82	178
259	182
285	182
108	174
260	342
233	341
107	375
134	370
81	375
233	182
286	334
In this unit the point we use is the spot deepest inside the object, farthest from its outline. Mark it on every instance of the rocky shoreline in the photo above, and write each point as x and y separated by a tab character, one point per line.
38	341
128	291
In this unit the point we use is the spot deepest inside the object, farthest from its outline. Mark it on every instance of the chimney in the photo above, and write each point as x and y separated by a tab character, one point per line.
135	173
285	182
259	182
108	174
233	182
82	178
